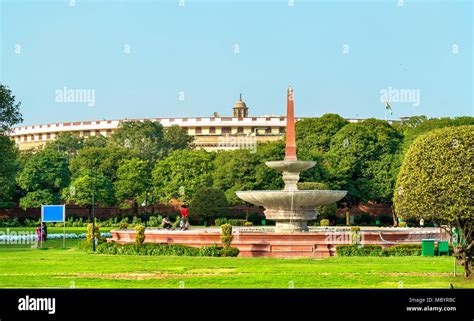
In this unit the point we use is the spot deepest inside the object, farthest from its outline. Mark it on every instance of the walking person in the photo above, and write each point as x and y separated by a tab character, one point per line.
39	232
44	231
184	218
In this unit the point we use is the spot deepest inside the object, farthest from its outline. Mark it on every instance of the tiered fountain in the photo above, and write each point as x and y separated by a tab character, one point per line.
291	208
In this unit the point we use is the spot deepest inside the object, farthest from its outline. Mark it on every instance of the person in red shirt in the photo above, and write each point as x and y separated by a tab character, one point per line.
184	218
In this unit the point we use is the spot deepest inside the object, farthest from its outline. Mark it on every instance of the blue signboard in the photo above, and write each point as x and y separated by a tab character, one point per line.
53	213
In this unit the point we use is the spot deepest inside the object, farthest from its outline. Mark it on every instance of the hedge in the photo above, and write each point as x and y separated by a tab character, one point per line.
376	250
163	250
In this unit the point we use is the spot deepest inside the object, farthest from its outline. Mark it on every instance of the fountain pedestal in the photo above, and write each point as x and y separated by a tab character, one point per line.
290	208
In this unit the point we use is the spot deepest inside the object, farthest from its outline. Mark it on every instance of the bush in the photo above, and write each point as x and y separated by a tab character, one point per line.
123	226
155	221
113	248
220	221
140	234
355	250
226	235
230	252
324	222
208	202
248	224
402	224
89	233
236	222
403	250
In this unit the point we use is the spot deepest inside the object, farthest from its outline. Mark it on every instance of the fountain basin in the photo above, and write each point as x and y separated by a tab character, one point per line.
293	166
291	209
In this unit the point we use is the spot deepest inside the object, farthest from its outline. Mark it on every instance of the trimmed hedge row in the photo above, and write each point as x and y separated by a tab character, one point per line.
164	250
376	250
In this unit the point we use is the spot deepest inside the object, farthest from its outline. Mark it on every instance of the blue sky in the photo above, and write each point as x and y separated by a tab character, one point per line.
338	56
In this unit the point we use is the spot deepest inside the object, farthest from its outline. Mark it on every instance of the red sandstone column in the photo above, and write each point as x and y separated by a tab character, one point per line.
290	149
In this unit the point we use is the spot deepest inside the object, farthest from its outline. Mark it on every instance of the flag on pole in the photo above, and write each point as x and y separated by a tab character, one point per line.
387	107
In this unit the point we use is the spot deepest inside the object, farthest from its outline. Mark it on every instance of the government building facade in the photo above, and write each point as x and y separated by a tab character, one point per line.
210	133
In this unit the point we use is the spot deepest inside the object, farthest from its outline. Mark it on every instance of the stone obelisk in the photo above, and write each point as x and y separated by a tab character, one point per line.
290	149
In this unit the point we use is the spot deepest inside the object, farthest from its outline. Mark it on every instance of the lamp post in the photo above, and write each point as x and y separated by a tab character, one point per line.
93	210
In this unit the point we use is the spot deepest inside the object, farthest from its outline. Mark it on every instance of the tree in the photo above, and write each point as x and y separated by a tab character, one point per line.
42	176
177	138
436	181
208	202
104	160
316	133
182	173
146	138
133	182
67	142
8	170
81	189
361	160
9	109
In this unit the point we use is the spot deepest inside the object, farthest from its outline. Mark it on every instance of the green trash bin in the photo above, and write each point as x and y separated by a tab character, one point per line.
443	247
264	222
377	222
427	247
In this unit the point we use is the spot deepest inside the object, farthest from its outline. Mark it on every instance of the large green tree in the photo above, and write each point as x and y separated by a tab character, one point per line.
362	161
43	175
9	109
146	138
88	189
8	170
133	182
182	173
436	182
177	138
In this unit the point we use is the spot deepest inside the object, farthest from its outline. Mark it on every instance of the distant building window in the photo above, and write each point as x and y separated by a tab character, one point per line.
282	118
198	119
240	130
32	137
268	130
109	122
254	118
198	130
268	118
25	138
212	130
40	137
97	132
77	123
226	130
86	133
282	130
185	119
48	136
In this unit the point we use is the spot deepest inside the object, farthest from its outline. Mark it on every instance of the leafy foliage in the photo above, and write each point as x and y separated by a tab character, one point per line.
182	173
436	182
9	109
133	180
43	175
8	169
208	202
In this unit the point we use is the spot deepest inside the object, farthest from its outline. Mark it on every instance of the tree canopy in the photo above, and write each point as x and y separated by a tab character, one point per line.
9	109
436	181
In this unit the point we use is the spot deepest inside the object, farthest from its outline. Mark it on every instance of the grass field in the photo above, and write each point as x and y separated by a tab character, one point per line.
54	267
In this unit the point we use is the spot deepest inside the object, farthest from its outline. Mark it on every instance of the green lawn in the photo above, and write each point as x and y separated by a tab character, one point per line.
54	267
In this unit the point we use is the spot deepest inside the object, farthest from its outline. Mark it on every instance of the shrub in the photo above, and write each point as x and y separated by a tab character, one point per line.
230	251
136	221
123	226
402	224
403	250
355	250
113	248
248	224
140	234
226	235
89	232
212	250
363	219
155	221
208	202
324	222
236	222
220	221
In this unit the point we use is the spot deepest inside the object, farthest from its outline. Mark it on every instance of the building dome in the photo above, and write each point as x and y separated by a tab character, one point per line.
240	108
